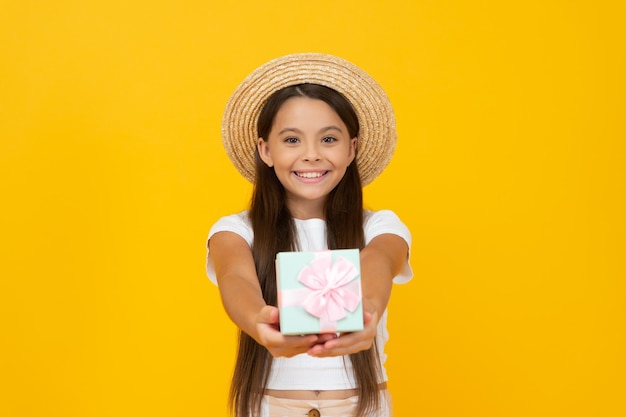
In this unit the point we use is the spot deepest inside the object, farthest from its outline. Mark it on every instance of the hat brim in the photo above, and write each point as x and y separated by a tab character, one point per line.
377	128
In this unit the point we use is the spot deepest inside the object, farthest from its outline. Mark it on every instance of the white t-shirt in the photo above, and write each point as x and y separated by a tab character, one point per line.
304	372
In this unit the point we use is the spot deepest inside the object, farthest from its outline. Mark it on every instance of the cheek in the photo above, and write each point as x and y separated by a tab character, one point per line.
351	154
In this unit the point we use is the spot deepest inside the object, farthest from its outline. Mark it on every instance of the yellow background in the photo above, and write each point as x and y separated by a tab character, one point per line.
509	171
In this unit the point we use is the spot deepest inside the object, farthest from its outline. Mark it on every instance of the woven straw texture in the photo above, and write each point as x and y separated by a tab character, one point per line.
377	136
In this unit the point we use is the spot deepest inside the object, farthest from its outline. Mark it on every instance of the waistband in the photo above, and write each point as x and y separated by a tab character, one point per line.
340	394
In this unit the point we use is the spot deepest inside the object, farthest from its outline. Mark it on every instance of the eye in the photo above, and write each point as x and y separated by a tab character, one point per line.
329	139
291	139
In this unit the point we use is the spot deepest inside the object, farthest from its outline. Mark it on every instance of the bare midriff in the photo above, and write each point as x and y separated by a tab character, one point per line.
340	394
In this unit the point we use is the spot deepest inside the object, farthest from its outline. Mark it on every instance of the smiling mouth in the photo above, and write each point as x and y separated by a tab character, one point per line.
311	175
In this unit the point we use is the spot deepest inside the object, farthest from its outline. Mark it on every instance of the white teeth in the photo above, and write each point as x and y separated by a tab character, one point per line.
309	174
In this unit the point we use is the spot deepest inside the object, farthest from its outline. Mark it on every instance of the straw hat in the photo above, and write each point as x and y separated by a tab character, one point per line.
377	127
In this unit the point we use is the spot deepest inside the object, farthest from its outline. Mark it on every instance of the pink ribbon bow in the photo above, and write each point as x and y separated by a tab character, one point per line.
331	289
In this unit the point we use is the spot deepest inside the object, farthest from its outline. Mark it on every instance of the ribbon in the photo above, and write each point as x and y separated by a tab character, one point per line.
330	291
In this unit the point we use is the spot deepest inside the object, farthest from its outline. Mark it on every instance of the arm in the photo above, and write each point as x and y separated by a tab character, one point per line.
381	260
243	299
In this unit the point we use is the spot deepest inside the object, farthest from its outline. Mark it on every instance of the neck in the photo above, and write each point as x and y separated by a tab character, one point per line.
307	211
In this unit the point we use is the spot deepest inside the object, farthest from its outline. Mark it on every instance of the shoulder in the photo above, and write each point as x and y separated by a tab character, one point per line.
238	223
387	222
380	215
384	221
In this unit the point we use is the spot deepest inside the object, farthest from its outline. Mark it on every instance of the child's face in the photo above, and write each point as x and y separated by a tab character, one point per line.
310	149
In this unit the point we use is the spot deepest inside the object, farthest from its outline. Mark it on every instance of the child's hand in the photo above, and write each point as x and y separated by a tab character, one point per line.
348	343
276	343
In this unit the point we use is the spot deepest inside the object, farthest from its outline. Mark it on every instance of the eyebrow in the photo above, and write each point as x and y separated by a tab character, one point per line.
322	130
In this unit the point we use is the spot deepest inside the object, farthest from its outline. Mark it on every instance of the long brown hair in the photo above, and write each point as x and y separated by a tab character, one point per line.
274	231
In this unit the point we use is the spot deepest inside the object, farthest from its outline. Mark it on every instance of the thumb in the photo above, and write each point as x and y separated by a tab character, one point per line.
369	317
269	315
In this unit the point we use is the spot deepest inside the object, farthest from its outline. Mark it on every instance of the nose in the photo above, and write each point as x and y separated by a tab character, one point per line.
311	153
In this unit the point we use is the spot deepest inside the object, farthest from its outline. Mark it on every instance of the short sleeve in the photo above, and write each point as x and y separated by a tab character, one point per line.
383	222
236	223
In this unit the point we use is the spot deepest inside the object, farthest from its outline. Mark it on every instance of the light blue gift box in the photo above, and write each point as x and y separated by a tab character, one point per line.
319	292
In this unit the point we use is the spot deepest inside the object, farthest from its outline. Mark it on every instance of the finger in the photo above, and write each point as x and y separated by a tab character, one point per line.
292	345
359	338
351	342
301	341
344	344
369	318
269	315
323	338
321	351
278	341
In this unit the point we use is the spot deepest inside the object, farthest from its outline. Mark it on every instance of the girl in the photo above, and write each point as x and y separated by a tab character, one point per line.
308	130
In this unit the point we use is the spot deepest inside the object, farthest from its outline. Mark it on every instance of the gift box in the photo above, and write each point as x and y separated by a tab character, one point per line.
319	292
